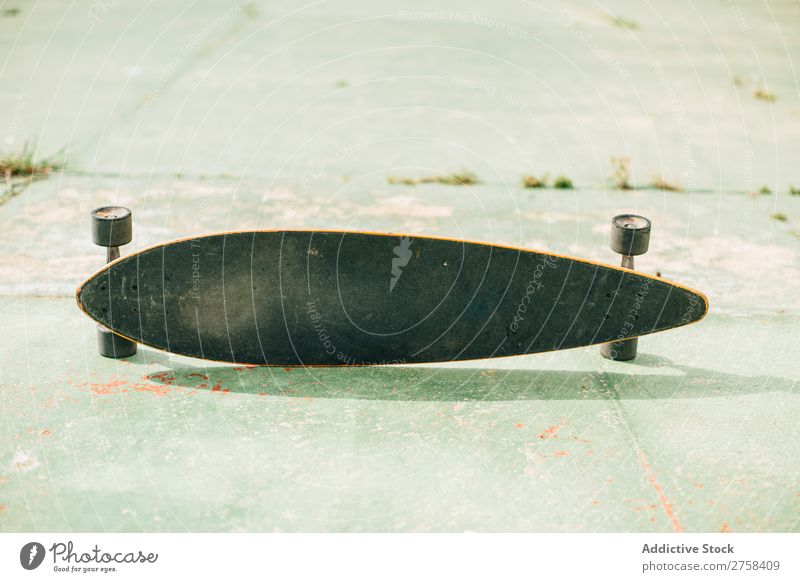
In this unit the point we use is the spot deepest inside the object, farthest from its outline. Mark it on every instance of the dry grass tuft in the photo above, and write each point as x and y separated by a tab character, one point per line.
764	95
530	181
464	178
661	183
621	172
24	163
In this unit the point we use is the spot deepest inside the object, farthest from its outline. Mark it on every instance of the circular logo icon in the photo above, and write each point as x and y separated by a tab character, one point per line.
31	555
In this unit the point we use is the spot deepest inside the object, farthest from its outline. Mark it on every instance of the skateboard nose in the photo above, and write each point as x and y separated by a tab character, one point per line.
93	302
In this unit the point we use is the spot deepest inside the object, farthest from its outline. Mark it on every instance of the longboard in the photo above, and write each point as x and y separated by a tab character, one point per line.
289	298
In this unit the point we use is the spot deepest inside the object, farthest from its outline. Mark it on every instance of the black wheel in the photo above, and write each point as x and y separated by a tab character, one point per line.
630	234
620	351
111	345
112	226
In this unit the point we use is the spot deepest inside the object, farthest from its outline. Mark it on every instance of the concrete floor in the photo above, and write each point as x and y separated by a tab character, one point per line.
203	118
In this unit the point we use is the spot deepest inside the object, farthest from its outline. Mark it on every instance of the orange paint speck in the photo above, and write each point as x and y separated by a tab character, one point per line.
560	454
725	528
519	425
595	502
550	432
288	369
46	432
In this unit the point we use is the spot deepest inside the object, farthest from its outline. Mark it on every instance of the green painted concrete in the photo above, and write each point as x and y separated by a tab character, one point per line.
206	119
561	442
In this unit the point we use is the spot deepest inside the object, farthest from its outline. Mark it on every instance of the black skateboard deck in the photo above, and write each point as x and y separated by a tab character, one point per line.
290	298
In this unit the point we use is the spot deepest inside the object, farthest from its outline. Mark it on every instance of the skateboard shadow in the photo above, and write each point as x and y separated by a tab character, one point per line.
663	380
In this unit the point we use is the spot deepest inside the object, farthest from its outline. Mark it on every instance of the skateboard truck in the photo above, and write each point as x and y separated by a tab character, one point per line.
112	227
630	236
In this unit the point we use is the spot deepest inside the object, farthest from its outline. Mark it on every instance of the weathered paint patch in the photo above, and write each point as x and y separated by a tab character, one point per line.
23	462
664	501
123	387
